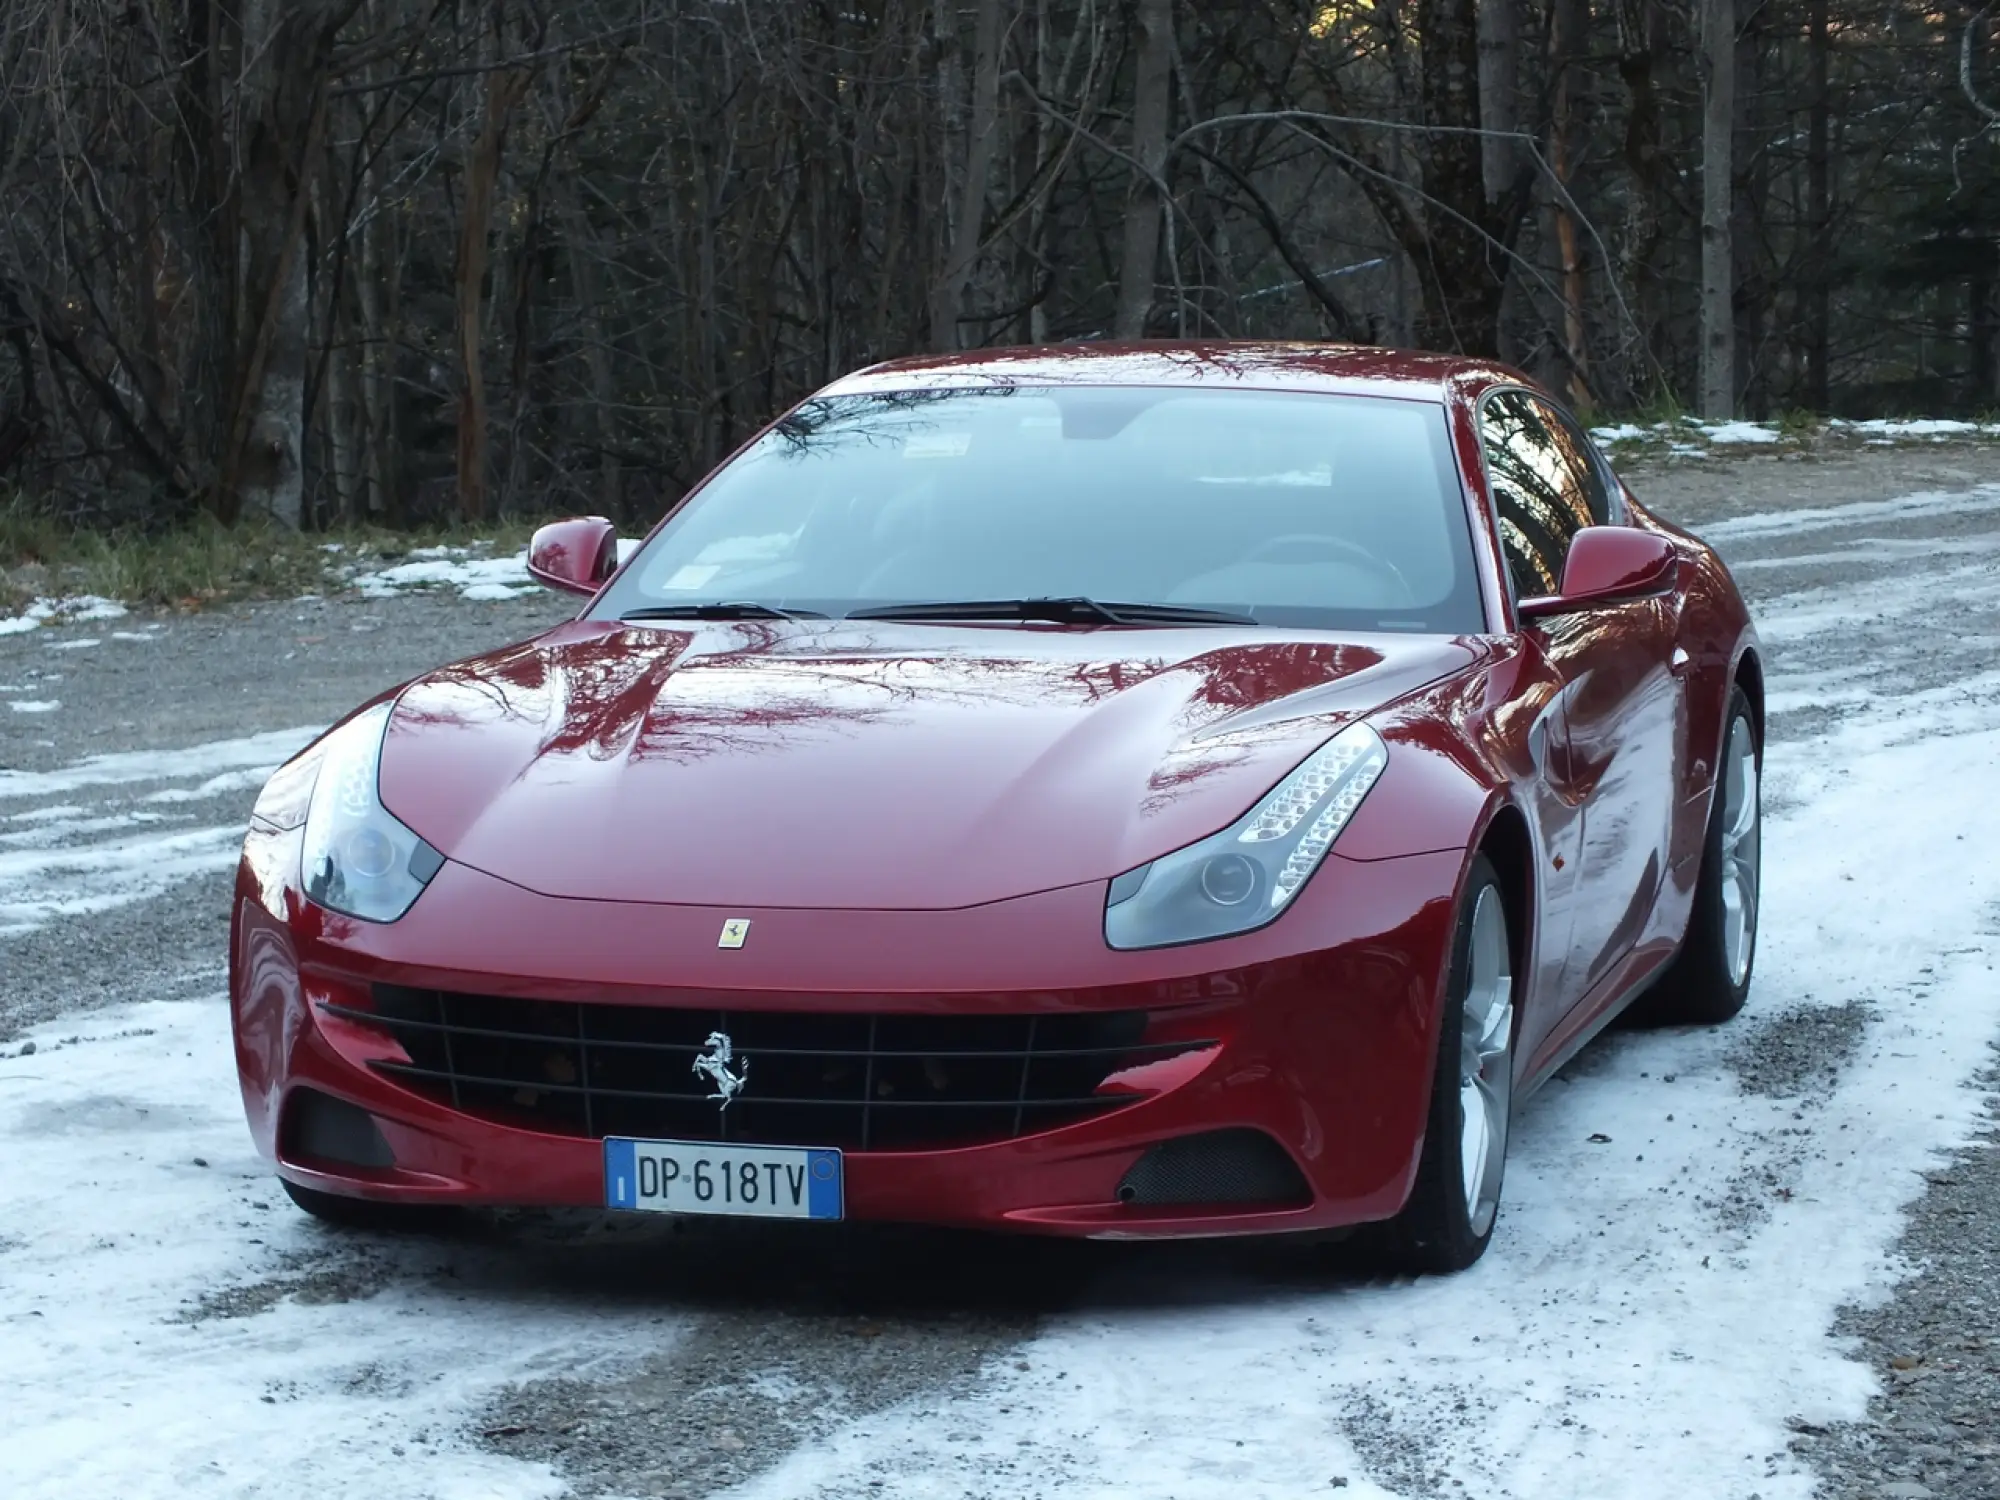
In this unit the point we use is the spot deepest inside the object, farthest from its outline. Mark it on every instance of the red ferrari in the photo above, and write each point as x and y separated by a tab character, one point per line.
1116	791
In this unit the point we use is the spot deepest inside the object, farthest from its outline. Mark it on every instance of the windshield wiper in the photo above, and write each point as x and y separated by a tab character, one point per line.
728	609
1074	610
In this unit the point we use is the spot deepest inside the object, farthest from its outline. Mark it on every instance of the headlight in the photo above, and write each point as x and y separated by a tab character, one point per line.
357	858
1242	877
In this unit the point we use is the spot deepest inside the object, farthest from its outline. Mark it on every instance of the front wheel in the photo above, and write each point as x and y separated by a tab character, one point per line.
1448	1221
1709	979
363	1213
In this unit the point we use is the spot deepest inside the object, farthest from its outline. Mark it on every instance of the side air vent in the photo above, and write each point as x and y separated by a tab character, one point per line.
1219	1166
319	1127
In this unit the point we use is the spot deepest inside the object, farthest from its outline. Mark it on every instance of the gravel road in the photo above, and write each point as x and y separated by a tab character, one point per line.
736	1352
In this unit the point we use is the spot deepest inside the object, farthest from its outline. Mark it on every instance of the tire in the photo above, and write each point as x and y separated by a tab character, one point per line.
1709	979
1447	1222
362	1213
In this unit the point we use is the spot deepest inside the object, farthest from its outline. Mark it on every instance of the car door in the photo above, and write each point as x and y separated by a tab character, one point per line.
1612	764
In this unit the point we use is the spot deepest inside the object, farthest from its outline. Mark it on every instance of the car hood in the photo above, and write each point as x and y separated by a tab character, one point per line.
870	766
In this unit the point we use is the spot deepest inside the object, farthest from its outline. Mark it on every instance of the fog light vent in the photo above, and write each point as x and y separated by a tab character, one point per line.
1220	1166
320	1127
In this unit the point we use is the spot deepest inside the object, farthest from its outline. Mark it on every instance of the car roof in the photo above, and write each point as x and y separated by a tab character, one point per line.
1328	369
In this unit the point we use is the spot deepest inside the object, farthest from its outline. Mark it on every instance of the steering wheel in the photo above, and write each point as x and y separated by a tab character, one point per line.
1295	542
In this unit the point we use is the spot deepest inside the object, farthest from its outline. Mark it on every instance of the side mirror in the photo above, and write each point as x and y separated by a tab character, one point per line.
575	556
1608	565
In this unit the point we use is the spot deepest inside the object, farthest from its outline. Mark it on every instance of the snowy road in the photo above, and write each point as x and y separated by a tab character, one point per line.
1685	1214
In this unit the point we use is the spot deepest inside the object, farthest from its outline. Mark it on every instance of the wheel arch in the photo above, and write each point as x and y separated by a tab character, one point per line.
1749	674
1510	849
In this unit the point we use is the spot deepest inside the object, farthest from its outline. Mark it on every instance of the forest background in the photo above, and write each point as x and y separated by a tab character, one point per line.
397	263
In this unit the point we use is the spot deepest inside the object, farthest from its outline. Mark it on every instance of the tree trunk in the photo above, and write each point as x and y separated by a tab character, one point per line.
1751	173
1567	39
1718	124
280	114
1818	216
1642	48
1151	96
1980	328
1499	95
948	292
482	171
1463	268
579	253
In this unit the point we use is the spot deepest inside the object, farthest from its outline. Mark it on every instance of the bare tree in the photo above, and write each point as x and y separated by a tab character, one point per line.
1718	271
1152	96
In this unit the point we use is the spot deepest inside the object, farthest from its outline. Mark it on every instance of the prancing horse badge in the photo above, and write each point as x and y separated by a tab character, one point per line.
734	931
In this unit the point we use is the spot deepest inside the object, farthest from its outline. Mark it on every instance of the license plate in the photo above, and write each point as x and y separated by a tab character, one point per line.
704	1177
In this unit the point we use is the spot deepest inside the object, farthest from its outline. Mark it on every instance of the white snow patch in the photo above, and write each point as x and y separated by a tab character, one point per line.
81	643
33	705
1624	432
249	779
62	612
148	634
38	835
1983	497
269	749
1738	432
38	885
114	1384
46	873
1916	427
46	814
463	568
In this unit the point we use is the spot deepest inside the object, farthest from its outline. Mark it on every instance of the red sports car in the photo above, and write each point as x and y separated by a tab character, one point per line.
1116	791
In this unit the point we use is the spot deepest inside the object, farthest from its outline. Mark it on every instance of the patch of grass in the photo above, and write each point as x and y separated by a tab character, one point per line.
201	562
1662	408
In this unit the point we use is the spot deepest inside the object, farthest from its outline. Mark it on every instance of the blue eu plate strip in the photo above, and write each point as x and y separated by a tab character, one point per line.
621	1173
823	1186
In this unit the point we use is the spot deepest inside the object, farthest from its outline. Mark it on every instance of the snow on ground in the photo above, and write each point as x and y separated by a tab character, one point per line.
61	612
51	863
470	570
162	1339
1738	432
33	705
1915	427
1689	437
268	750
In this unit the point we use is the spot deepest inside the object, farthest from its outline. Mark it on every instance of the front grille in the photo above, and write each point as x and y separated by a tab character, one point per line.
862	1081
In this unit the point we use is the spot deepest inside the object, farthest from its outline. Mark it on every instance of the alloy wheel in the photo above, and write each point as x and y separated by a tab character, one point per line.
1740	847
1486	1061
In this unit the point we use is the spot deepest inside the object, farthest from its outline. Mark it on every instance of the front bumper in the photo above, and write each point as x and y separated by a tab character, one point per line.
1323	1030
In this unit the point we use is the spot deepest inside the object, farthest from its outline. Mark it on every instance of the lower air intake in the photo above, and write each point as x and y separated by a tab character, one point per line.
319	1127
1220	1166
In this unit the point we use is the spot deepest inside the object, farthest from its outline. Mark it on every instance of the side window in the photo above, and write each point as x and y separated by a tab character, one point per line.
1582	458
1545	487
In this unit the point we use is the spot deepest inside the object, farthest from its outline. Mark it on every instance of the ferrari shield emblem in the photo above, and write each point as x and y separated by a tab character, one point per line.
734	931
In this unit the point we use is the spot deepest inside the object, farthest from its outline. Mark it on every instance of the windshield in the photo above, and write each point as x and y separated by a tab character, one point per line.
1302	510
